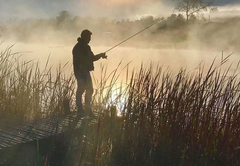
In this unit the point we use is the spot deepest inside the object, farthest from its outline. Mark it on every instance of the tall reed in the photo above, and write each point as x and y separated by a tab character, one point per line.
28	92
183	119
191	118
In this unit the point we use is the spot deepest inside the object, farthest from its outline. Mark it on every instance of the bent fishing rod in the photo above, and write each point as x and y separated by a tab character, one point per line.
134	35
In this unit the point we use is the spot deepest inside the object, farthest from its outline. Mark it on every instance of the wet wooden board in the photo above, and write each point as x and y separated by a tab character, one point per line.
39	129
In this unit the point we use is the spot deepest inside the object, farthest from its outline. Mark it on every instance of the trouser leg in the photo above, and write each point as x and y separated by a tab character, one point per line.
79	93
88	94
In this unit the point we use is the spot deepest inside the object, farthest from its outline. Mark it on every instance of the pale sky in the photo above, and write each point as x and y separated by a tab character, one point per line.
103	8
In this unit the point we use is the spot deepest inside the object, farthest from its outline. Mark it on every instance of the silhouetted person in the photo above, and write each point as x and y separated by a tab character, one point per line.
83	59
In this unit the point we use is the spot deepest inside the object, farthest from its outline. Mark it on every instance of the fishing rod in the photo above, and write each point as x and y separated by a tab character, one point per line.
133	35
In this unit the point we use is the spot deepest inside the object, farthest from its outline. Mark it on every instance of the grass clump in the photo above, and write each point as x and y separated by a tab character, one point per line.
191	118
27	92
184	119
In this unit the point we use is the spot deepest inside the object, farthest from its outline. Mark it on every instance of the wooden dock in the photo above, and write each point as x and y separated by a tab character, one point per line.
45	130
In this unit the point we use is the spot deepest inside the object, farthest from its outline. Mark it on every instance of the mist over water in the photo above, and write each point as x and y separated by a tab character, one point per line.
167	117
171	59
171	43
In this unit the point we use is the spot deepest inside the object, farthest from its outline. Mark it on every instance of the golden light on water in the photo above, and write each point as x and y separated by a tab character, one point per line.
116	95
119	95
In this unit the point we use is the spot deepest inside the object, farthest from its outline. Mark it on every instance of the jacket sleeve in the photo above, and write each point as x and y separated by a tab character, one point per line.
94	57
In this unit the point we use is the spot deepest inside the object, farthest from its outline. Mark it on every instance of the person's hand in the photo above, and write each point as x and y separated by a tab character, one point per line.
103	55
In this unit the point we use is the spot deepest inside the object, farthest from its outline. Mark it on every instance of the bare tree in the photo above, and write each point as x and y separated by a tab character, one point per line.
191	7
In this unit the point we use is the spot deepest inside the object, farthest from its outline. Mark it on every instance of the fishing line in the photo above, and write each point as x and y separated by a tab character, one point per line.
133	35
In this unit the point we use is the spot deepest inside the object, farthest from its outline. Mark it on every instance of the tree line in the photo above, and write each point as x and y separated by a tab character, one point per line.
65	28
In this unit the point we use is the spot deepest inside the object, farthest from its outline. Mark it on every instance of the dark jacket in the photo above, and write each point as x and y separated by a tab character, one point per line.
83	57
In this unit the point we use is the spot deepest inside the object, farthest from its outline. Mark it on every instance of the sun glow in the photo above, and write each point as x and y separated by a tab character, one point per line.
119	97
116	96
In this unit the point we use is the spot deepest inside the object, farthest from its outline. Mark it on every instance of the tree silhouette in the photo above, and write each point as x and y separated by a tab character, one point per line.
63	16
191	7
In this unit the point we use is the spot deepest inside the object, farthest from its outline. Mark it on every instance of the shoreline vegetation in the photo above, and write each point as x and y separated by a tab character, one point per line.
188	118
173	32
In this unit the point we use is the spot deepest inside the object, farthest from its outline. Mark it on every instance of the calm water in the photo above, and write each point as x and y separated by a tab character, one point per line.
173	59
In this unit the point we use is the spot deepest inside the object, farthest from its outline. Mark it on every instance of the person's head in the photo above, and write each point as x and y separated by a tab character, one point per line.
86	35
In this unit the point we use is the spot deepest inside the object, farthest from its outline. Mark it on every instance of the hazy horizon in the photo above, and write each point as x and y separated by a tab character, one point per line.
39	38
114	9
